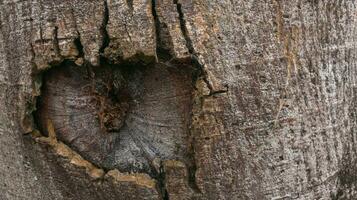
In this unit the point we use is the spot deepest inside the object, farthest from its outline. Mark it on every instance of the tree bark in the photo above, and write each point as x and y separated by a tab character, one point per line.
228	99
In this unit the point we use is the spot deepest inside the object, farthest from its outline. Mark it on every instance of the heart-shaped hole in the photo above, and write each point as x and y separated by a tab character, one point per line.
120	117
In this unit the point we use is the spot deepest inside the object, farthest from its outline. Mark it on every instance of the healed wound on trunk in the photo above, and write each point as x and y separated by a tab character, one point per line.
122	117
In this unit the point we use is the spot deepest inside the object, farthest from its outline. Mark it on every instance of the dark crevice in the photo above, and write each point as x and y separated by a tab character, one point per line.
189	45
213	93
79	46
130	4
56	42
203	73
41	32
163	54
33	56
103	28
183	27
192	175
157	25
161	178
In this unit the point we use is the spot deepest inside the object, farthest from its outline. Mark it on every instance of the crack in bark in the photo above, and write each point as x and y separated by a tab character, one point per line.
33	54
203	74
183	27
160	177
103	28
194	54
218	92
130	4
161	52
56	43
157	27
79	46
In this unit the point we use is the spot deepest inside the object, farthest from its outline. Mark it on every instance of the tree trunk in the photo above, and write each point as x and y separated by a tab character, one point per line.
182	99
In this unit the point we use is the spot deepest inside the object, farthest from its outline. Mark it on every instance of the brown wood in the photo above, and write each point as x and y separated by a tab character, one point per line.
222	99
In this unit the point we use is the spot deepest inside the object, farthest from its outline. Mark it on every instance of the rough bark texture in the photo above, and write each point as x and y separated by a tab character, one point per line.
258	98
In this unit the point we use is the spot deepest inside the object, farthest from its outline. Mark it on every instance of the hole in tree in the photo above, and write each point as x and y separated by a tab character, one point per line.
120	116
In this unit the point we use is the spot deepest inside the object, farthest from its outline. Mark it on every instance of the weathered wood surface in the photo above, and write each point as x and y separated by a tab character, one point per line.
273	110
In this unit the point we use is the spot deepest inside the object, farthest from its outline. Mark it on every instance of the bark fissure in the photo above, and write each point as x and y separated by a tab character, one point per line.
184	28
103	28
190	47
79	46
161	182
157	25
162	54
130	3
216	92
56	42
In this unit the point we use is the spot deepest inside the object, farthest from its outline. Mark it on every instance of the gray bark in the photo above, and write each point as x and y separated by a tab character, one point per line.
237	99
